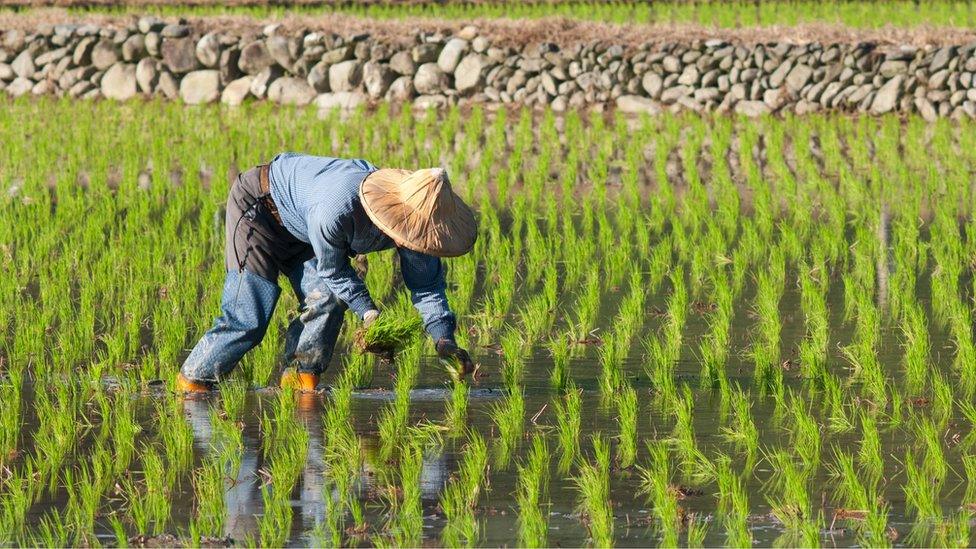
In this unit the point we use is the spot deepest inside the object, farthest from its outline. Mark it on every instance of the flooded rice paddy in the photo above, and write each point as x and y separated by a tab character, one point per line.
689	331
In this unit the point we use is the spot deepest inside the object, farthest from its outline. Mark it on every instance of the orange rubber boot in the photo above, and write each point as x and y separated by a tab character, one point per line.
299	381
186	385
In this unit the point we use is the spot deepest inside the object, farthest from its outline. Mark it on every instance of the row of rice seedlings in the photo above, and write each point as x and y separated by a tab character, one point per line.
148	502
712	13
285	446
568	409
663	352
656	484
733	504
531	495
508	417
859	500
460	496
393	419
792	505
595	502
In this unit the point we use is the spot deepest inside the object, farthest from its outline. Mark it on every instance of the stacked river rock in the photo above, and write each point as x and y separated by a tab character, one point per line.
177	62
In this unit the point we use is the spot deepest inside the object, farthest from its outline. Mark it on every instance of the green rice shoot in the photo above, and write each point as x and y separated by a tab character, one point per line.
390	332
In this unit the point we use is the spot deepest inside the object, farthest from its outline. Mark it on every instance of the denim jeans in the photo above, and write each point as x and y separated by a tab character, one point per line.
257	251
246	306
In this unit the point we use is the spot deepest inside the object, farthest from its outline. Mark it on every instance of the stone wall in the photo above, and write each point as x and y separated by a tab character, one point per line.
177	61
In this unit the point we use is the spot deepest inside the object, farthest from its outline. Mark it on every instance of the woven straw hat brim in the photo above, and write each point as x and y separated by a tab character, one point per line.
419	211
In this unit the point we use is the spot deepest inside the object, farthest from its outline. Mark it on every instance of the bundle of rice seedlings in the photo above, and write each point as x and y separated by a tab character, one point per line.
453	367
389	333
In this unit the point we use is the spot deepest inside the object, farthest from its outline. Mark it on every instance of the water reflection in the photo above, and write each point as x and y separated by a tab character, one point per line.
197	414
311	500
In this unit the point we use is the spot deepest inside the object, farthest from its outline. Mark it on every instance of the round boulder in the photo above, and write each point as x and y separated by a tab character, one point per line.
430	79
345	76
208	50
450	56
255	58
237	91
291	91
119	82
400	90
104	54
377	78
200	87
180	55
402	63
469	74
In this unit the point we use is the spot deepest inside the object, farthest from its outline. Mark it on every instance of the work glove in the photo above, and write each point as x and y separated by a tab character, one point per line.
369	317
448	349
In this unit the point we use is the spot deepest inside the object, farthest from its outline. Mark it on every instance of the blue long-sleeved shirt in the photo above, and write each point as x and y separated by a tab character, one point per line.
318	201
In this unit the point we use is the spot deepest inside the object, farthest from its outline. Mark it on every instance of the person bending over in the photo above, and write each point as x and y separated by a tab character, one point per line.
305	217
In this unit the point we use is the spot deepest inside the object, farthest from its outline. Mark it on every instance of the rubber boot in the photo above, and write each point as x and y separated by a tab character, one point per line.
299	381
186	385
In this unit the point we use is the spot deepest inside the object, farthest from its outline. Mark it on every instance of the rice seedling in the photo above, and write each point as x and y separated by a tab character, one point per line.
343	460
742	431
627	419
568	410
177	438
656	484
733	504
954	531
460	496
513	350
593	484
793	508
560	351
531	495
149	505
407	515
208	484
508	417
806	440
456	414
693	460
390	332
286	447
11	391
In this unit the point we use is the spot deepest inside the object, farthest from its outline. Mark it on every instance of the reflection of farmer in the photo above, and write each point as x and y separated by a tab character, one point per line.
304	217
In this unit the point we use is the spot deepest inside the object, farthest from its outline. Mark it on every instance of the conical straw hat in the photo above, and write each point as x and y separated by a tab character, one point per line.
419	211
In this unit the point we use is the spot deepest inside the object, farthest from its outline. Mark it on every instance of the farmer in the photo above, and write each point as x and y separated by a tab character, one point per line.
305	217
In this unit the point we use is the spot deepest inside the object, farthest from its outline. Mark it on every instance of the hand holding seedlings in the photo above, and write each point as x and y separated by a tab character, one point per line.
385	334
456	359
369	317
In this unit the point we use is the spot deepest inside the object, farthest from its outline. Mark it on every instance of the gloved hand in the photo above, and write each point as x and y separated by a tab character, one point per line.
448	349
370	317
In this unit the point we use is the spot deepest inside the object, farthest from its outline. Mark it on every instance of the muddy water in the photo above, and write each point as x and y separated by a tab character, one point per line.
497	510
